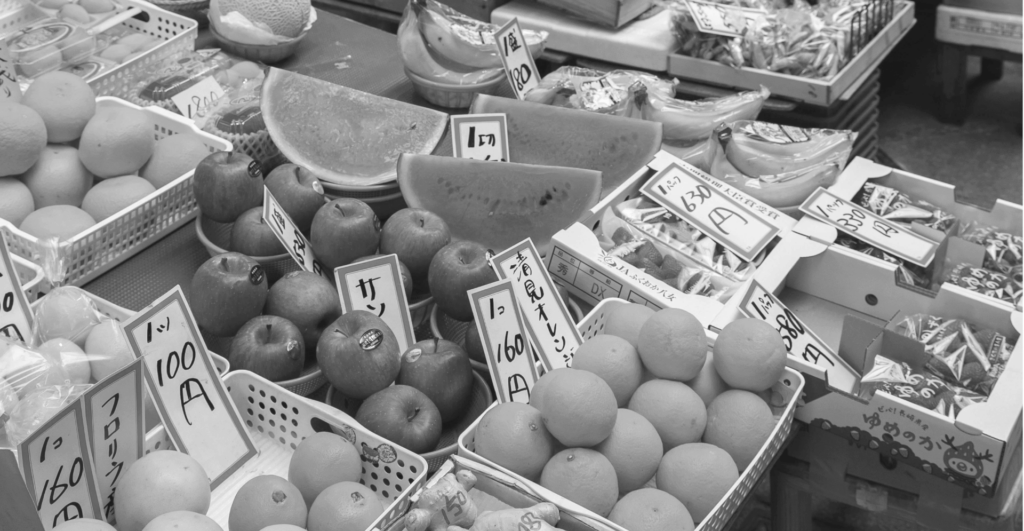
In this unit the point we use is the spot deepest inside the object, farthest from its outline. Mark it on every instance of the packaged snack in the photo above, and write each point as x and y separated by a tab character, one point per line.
178	73
907	273
48	45
1002	250
930	392
899	207
1005	287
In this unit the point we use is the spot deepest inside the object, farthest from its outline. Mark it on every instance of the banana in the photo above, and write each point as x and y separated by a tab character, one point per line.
420	61
773	152
465	40
689	121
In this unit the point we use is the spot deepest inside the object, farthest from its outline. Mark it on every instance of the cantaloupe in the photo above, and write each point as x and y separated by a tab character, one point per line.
542	134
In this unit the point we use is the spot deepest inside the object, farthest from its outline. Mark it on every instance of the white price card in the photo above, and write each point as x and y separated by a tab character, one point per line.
509	356
375	286
15	315
721	217
114	417
198	97
515	56
480	136
200	417
869	227
291	237
720	19
8	80
19	510
58	469
552	330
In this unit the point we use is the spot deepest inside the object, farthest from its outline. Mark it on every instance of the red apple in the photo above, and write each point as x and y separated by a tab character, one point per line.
474	346
344	230
457	268
415	235
403	272
306	299
403	415
227	290
359	354
227	184
439	369
269	346
252	237
299	192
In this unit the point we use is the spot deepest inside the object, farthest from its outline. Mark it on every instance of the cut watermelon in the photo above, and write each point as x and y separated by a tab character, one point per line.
342	135
498	204
542	134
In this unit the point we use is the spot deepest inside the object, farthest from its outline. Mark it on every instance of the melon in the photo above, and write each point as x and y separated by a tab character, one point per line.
556	136
498	204
342	135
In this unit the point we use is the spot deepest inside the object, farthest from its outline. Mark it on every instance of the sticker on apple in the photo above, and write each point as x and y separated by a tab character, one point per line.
375	285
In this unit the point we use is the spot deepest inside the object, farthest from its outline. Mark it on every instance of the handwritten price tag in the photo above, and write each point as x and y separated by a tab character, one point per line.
8	81
375	286
869	228
509	356
721	217
58	469
198	97
515	56
190	398
719	19
552	331
285	229
15	316
480	136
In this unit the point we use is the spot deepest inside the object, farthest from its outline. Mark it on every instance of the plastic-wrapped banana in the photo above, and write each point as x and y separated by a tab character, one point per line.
462	39
696	120
422	62
762	149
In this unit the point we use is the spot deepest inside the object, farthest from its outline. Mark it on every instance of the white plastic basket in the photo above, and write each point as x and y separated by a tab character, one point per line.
789	388
30	275
114	240
279	421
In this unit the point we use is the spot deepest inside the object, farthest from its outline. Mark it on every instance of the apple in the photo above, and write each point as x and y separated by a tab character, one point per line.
474	346
269	346
227	290
404	416
415	235
298	191
359	354
252	237
439	369
403	273
457	268
344	230
306	299
226	184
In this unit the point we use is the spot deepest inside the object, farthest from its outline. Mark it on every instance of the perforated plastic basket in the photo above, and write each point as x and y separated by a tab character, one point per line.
30	275
279	421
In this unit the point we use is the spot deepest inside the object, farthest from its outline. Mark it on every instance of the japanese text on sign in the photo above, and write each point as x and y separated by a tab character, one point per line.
193	404
480	136
720	19
198	97
376	287
8	81
515	56
291	237
870	228
15	317
509	356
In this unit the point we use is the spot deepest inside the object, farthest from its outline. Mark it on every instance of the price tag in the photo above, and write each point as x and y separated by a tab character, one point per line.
197	97
15	316
8	80
509	356
720	19
375	286
721	217
284	228
19	510
480	136
190	398
515	56
801	342
58	469
869	228
114	416
552	331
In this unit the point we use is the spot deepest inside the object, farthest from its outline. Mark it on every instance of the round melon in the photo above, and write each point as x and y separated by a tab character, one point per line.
286	18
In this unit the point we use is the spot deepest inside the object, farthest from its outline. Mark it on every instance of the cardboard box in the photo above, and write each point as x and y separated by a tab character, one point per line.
974	27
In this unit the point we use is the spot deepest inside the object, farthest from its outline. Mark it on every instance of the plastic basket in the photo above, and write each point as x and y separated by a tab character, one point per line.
31	277
789	388
279	420
117	238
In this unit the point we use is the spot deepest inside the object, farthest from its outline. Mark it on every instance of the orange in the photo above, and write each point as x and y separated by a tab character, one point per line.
513	435
117	141
583	476
344	505
70	356
59	178
16	201
321	460
161	482
111	196
739	422
651	510
673	408
626	320
697	474
283	527
66	312
634	449
64	101
286	18
58	221
107	348
173	156
708	384
22	137
265	500
578	408
181	520
84	524
750	355
673	345
613	359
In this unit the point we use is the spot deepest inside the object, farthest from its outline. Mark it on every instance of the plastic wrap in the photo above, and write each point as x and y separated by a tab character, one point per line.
176	74
26	369
422	60
930	392
38	407
906	273
1002	250
899	207
65	312
1005	287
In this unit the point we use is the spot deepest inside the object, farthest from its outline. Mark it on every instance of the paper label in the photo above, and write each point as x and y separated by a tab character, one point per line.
480	136
198	97
190	398
719	216
114	416
720	19
515	56
376	286
591	283
779	134
58	469
509	356
8	80
552	330
15	315
291	237
869	227
19	510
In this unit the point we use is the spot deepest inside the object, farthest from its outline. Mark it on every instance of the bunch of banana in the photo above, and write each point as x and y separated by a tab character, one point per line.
690	121
774	152
422	62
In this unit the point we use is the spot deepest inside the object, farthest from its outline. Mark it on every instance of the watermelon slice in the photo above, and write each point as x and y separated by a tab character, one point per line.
542	134
498	204
342	135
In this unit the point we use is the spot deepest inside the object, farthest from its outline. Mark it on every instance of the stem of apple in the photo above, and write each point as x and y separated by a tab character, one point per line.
340	209
413	415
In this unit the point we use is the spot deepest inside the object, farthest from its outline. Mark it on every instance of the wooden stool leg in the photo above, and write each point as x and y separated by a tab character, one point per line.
991	69
953	96
791	507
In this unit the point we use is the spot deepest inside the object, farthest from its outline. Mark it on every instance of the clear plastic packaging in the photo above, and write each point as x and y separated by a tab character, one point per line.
897	206
65	312
86	14
38	407
930	392
26	369
48	45
906	273
178	73
1003	251
1005	287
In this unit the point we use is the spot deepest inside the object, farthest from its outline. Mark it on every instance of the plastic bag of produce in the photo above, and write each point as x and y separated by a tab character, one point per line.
24	369
37	407
897	206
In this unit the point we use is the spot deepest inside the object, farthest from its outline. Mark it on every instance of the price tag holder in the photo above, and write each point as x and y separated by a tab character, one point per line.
114	416
375	286
721	217
15	317
870	228
19	510
190	397
509	357
291	237
8	80
480	136
515	56
552	330
719	19
58	469
197	97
